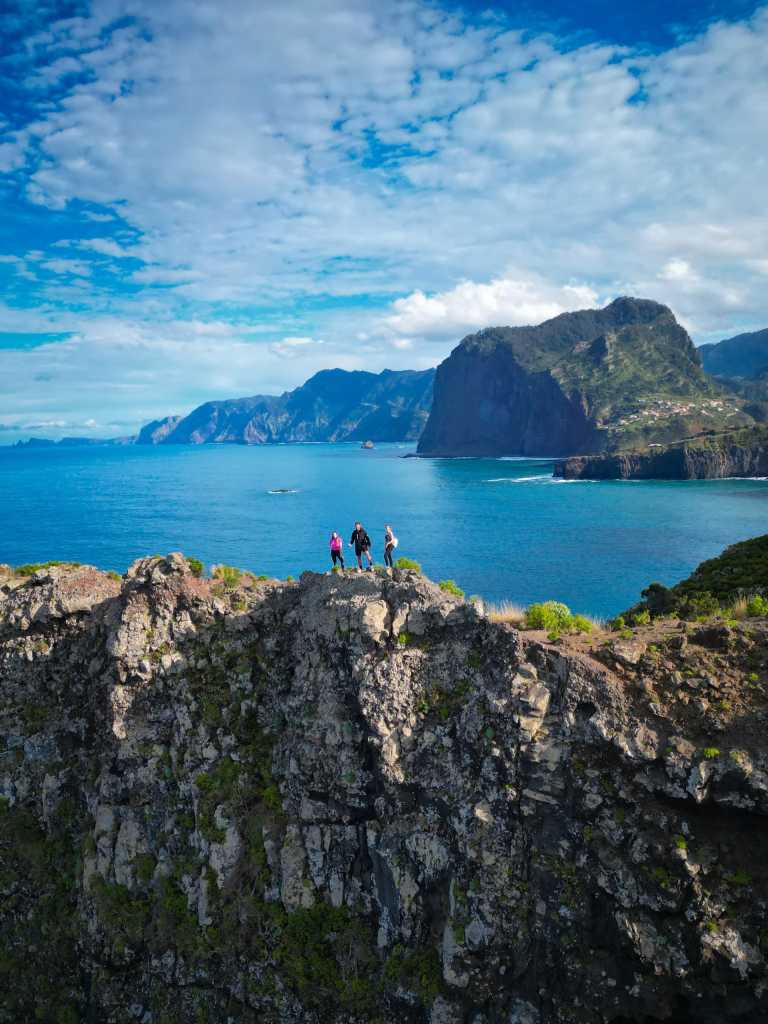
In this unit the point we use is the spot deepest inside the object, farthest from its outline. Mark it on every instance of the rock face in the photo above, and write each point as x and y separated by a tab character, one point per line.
334	405
580	383
356	800
157	431
745	356
744	454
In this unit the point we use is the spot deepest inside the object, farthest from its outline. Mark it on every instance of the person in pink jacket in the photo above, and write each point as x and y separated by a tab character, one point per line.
337	549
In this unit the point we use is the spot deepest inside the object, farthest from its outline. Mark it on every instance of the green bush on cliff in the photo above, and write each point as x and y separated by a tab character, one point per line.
408	563
742	569
195	566
228	575
327	956
451	587
30	568
553	616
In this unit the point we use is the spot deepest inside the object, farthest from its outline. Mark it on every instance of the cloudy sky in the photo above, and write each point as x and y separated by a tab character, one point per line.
211	198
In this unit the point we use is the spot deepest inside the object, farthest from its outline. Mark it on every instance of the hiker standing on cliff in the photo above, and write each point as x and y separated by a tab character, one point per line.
361	542
337	550
390	543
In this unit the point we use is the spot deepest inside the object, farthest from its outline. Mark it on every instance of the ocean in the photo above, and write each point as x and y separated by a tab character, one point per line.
501	528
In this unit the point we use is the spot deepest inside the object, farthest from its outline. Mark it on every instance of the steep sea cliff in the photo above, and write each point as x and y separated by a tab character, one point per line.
358	800
743	454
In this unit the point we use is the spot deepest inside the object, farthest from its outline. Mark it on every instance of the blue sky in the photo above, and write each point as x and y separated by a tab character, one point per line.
208	200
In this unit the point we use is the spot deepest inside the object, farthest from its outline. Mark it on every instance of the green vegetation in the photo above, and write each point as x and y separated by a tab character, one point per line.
39	959
681	843
738	878
451	587
710	753
196	566
328	958
215	787
227	575
733	584
556	618
408	563
30	568
418	972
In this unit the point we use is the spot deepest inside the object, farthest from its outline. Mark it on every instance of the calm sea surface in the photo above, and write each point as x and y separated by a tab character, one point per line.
500	527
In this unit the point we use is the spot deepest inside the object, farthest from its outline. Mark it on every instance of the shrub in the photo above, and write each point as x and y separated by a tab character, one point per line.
757	605
618	623
451	587
681	843
699	606
30	568
550	615
710	753
196	566
408	563
642	618
581	624
228	575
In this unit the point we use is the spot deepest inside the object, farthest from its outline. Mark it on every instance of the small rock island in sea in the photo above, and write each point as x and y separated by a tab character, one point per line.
362	799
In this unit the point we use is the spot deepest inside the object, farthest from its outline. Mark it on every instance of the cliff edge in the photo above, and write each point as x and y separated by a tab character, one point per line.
743	453
358	800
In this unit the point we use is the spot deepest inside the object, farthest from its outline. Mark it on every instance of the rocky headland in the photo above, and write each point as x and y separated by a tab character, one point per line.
743	453
357	799
590	381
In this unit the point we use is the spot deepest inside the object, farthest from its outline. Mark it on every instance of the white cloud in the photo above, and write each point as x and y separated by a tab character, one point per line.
79	268
511	300
678	270
292	346
105	247
11	156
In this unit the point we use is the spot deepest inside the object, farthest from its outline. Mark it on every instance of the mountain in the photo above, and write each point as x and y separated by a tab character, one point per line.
334	405
72	442
158	430
359	801
582	382
745	356
742	453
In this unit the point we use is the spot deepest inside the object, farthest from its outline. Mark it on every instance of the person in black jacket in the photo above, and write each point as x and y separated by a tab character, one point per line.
361	542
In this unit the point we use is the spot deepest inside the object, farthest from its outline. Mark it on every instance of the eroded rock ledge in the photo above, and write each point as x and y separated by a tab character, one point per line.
356	799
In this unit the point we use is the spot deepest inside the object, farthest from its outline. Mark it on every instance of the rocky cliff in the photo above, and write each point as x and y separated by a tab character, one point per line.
743	454
357	800
334	405
583	382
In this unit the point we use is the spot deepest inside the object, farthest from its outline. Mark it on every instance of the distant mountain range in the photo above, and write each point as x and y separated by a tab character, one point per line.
745	356
72	442
334	405
584	382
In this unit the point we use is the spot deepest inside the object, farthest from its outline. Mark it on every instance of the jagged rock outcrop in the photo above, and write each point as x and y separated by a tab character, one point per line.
354	799
582	382
334	405
744	454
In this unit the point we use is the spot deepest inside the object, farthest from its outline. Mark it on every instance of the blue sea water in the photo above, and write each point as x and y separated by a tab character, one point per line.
501	528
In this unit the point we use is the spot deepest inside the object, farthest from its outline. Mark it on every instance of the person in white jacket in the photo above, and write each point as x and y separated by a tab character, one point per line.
390	543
